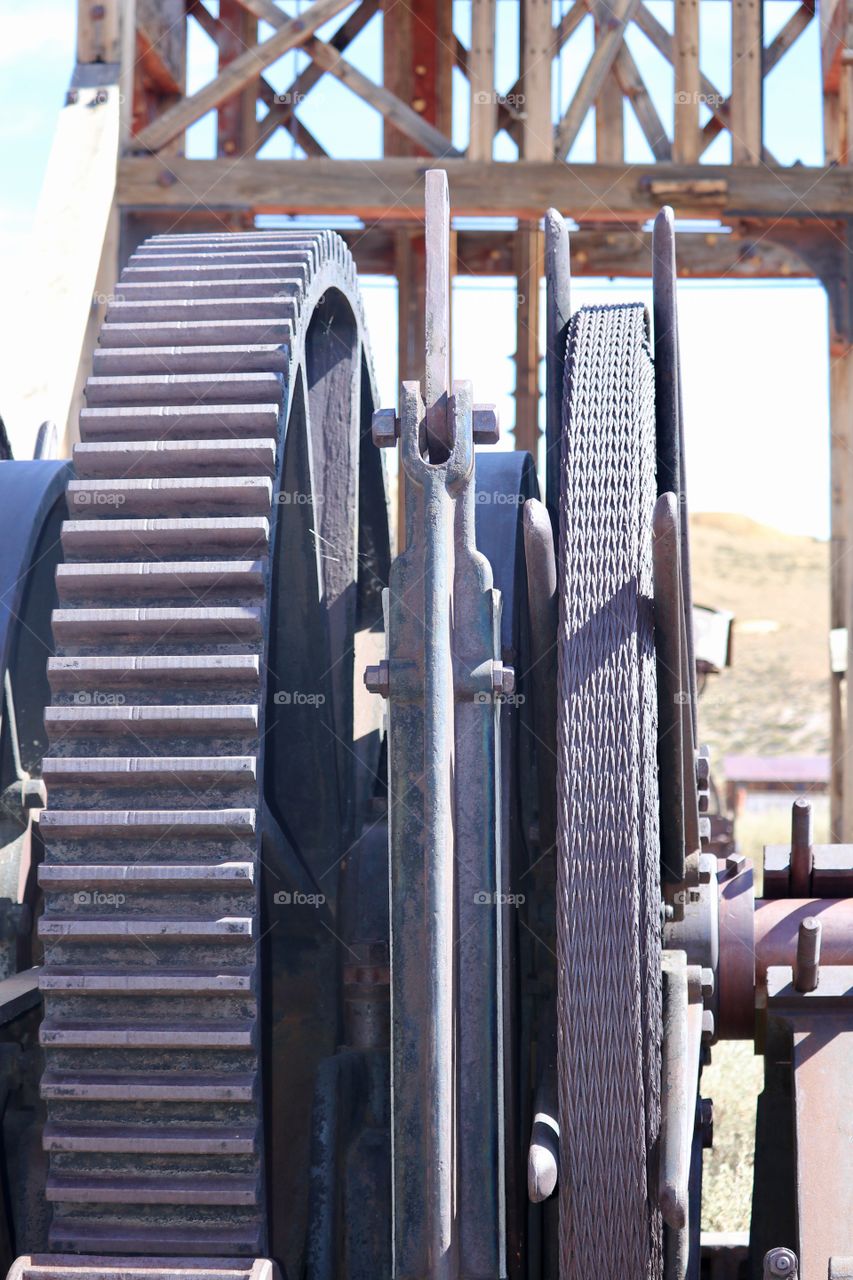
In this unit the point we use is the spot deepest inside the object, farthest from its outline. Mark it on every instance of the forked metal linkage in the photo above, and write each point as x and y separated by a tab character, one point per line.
444	680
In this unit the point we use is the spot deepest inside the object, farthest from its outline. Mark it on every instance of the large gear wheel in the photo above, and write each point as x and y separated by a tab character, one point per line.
216	575
608	903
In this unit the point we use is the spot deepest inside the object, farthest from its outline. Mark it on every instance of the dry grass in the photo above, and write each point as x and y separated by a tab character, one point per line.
774	701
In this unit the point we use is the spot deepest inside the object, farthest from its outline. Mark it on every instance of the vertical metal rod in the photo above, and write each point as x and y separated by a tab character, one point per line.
801	848
437	326
557	316
807	966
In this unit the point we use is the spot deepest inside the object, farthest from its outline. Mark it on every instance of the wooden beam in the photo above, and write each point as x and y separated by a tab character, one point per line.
686	144
404	118
239	73
529	250
163	25
609	108
778	47
634	88
747	84
68	238
592	81
657	33
606	251
99	31
394	188
284	105
395	112
236	122
300	133
537	51
481	73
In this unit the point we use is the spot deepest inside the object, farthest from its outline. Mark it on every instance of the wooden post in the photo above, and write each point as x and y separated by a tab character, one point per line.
236	117
609	108
418	65
686	144
537	49
481	74
747	82
529	268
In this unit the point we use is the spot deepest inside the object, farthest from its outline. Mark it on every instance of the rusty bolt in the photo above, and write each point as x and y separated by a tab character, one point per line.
385	428
503	678
486	426
101	97
706	1122
735	863
707	983
703	767
378	679
780	1263
72	96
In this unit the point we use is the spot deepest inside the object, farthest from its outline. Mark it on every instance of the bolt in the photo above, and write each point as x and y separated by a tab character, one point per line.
72	96
486	427
706	865
703	767
503	678
708	1026
97	12
101	97
385	428
807	965
708	983
703	799
780	1263
377	679
706	1122
735	863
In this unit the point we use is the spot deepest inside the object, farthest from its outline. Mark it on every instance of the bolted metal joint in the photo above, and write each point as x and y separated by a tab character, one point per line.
385	428
377	679
486	426
503	679
705	1120
780	1264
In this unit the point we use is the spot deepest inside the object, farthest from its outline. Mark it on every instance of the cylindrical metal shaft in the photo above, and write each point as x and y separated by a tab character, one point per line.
807	966
801	848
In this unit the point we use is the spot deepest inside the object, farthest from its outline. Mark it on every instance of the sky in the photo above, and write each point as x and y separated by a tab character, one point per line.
754	354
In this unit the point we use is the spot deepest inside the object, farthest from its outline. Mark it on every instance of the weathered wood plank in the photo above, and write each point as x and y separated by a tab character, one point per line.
706	255
747	85
481	73
609	108
284	105
663	42
634	88
592	81
537	51
685	144
239	73
394	187
163	26
99	31
236	123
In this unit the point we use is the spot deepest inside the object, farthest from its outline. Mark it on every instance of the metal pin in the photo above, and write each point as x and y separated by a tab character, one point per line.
780	1263
807	966
801	848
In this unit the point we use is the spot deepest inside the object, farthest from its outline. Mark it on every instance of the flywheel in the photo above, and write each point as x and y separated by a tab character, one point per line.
608	902
224	551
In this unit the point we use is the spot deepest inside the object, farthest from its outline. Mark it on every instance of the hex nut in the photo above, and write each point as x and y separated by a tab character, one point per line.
377	679
503	678
385	428
486	425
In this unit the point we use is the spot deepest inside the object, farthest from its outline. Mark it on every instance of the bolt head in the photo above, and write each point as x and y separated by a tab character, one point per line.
503	678
707	983
703	767
780	1262
385	428
486	425
708	1026
735	863
377	679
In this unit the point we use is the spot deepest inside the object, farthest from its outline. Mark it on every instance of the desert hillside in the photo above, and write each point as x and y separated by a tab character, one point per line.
775	698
